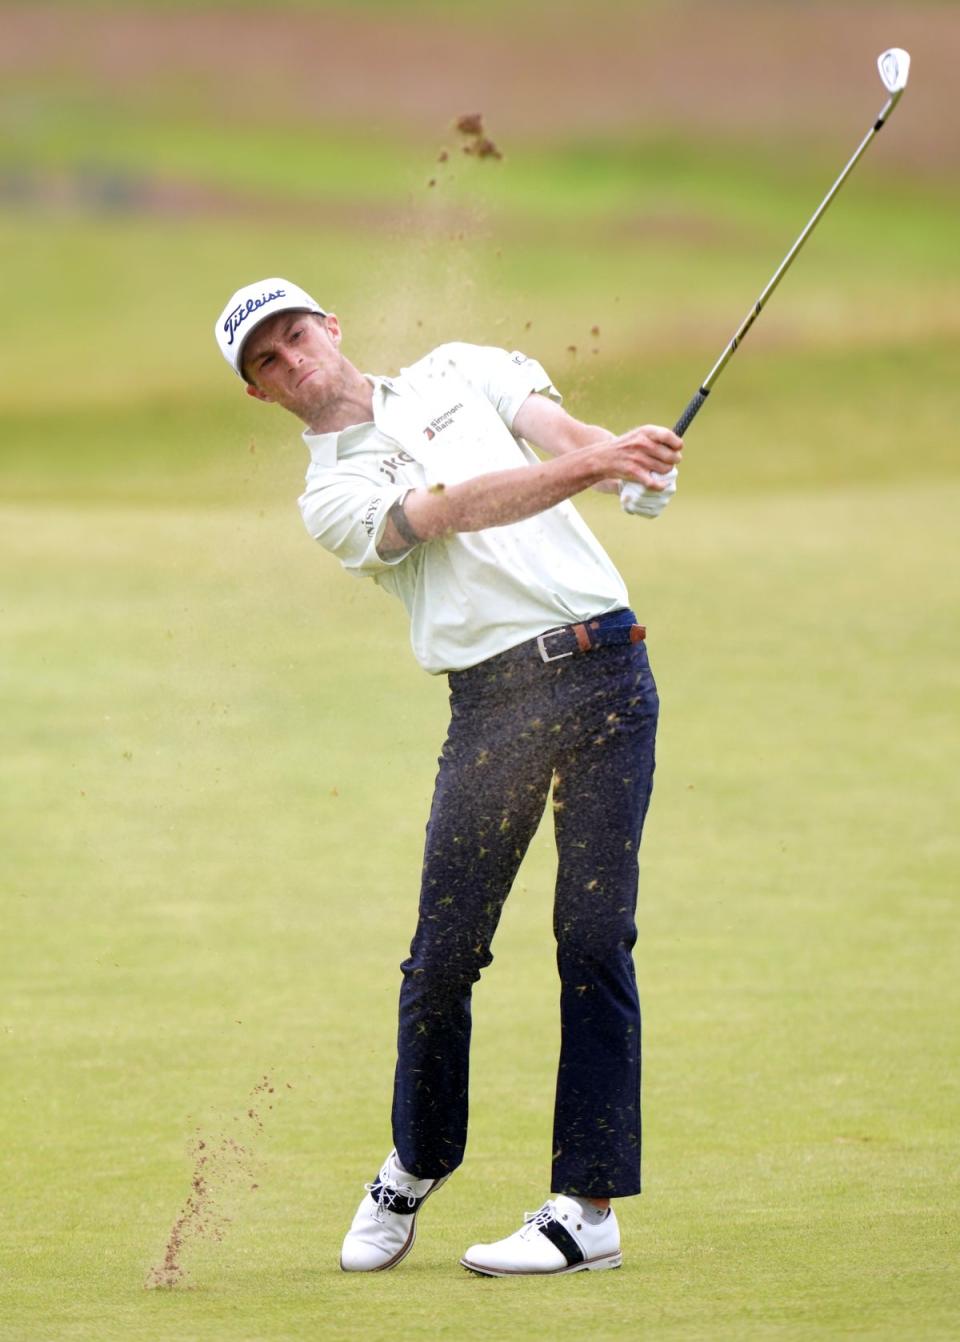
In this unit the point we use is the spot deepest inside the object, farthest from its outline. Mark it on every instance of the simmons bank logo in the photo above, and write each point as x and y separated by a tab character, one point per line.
441	422
239	315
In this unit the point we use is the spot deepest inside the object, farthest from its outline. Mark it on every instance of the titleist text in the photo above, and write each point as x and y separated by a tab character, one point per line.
239	315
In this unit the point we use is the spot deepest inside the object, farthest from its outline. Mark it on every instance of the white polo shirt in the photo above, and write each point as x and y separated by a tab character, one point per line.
447	419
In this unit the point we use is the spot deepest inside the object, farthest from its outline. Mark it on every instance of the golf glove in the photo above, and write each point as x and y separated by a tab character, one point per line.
643	502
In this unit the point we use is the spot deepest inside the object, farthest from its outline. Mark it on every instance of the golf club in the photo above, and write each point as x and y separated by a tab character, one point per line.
894	67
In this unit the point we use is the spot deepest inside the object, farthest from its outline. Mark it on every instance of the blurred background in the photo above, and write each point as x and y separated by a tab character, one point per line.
218	751
657	161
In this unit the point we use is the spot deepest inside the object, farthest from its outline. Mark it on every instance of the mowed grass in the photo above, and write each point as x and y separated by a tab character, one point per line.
219	753
223	755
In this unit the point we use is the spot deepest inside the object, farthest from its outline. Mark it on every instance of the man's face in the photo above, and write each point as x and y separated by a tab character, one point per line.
294	360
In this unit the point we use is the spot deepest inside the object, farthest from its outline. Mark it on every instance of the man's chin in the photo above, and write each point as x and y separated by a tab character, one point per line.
310	401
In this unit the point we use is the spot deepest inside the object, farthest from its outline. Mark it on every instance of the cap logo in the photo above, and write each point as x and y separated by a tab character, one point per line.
239	315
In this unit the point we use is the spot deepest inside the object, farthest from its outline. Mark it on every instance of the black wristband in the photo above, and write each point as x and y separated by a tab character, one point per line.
399	519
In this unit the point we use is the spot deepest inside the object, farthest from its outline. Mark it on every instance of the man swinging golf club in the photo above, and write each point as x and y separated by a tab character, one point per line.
425	483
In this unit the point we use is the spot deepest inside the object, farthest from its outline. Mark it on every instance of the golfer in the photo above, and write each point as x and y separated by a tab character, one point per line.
425	483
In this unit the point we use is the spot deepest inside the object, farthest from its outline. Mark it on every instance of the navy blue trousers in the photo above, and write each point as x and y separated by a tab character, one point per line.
585	724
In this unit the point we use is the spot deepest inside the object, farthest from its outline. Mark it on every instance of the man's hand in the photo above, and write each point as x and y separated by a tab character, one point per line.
646	455
643	502
550	428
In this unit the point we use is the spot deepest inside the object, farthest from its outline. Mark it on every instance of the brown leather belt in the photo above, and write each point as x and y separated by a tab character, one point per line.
593	634
568	639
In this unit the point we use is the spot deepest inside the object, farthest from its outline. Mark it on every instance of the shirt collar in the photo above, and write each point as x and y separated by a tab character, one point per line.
323	446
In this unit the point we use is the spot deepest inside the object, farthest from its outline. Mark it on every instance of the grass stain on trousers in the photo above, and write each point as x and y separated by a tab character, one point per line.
585	724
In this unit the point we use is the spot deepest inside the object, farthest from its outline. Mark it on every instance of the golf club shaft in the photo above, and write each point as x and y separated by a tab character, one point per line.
703	391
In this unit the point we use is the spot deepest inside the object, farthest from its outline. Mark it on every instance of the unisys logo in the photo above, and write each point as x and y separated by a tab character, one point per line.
239	315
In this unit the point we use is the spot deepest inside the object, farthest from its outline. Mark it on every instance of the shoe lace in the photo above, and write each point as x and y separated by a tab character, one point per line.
388	1195
533	1221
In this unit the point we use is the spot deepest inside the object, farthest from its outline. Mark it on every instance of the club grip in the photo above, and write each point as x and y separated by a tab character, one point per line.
688	416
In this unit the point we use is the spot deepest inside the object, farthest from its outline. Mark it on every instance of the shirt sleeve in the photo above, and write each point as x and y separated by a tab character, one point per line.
505	377
347	514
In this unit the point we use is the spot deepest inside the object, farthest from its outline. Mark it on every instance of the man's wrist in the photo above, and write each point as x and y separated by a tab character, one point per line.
586	468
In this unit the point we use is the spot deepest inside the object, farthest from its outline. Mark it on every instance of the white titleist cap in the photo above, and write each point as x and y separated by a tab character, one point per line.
253	304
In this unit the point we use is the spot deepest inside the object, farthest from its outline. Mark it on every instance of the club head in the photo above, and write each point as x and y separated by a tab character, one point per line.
894	67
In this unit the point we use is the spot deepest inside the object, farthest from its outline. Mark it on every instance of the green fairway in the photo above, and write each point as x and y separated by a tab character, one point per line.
212	867
219	752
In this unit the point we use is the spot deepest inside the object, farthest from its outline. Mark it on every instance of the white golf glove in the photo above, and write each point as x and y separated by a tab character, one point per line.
643	502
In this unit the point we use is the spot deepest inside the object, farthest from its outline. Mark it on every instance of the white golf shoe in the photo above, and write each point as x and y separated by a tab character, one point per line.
385	1226
557	1238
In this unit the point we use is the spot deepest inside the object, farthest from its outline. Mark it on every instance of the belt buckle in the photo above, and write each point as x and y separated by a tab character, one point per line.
542	645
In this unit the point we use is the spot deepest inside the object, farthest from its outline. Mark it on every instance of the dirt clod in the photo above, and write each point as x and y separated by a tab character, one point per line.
470	123
479	144
482	148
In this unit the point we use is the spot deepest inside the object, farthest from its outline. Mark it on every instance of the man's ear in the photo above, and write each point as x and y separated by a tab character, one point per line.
257	394
332	322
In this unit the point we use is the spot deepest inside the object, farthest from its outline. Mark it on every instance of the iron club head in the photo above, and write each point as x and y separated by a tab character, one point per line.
894	67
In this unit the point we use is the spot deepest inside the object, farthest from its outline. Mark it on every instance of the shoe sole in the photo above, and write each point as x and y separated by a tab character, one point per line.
408	1245
588	1265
